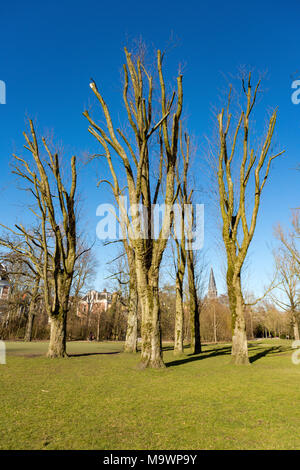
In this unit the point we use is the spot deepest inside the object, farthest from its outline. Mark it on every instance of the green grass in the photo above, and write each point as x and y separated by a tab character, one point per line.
100	400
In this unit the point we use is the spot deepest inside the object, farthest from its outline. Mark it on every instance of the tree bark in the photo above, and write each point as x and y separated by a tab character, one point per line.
57	344
194	307
238	222
178	340
29	326
147	282
296	331
98	326
295	326
180	271
32	306
131	332
215	323
239	352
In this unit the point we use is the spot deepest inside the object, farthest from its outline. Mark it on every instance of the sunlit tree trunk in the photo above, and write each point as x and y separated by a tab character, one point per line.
180	271
131	332
239	351
295	326
148	253
151	355
238	224
179	315
57	343
29	326
58	319
57	222
98	326
31	311
194	307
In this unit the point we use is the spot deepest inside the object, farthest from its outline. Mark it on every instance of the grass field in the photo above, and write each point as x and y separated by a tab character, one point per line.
98	399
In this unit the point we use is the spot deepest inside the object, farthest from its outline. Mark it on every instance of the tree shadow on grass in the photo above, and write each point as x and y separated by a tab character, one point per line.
198	357
226	350
94	354
273	350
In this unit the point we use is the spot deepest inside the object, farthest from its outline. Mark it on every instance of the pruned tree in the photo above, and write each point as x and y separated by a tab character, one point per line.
180	242
84	269
55	239
193	294
135	161
32	309
132	319
180	265
185	255
237	226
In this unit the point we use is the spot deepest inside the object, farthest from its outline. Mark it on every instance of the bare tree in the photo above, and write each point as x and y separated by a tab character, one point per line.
186	255
56	239
132	319
180	265
289	286
135	162
238	229
193	294
34	297
180	242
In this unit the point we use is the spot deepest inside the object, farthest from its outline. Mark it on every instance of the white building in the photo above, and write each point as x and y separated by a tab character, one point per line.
94	302
4	283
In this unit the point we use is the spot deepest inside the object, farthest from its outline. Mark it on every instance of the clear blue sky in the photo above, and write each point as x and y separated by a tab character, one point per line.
49	51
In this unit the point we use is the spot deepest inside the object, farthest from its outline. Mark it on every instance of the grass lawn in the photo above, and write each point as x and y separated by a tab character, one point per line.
98	399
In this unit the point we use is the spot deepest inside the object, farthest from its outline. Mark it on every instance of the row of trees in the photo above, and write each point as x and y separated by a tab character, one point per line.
264	320
15	321
149	162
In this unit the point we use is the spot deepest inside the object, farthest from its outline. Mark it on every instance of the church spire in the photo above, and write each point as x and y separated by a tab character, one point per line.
212	288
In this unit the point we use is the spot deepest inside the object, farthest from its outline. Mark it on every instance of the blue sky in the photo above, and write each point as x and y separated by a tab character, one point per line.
49	51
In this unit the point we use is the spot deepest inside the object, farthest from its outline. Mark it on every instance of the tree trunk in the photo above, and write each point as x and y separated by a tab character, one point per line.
29	326
98	326
295	326
194	308
57	344
32	306
178	334
251	323
147	283
239	352
90	304
215	324
131	332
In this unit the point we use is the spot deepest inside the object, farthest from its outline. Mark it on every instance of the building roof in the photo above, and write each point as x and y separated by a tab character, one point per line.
97	296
